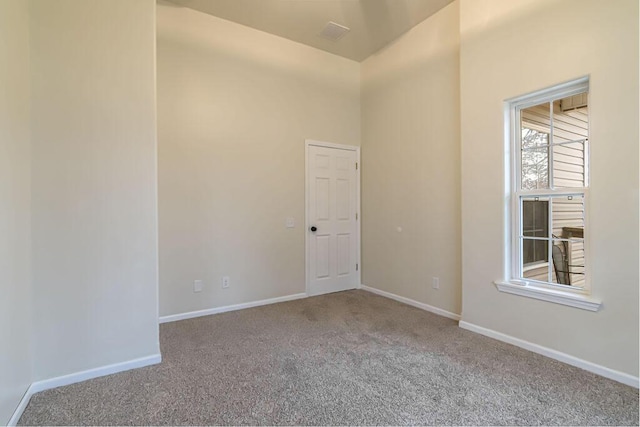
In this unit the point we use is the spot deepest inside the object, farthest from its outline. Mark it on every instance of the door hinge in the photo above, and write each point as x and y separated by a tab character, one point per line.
356	267
356	216
356	165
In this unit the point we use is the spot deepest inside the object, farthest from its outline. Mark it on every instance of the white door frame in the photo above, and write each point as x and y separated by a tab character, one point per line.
307	144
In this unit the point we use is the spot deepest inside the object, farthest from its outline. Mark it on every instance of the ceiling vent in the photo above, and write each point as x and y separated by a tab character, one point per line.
333	31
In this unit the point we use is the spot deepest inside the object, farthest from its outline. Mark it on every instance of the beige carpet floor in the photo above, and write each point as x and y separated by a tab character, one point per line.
351	358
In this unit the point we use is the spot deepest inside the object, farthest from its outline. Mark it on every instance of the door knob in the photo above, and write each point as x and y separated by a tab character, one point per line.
314	229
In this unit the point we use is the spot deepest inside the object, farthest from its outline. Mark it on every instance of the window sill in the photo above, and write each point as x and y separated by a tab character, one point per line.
556	296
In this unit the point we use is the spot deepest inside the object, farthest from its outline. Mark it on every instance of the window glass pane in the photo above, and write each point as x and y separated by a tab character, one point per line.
535	168
539	269
570	138
535	124
534	251
576	262
567	216
532	138
535	217
569	165
568	262
535	223
535	128
570	119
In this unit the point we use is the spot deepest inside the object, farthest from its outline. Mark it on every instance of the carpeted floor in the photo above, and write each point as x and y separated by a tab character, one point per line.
347	358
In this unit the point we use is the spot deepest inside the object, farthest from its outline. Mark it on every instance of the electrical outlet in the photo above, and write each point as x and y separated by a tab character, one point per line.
436	283
225	282
197	286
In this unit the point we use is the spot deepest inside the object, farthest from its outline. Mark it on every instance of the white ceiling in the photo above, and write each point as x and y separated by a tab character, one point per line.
373	23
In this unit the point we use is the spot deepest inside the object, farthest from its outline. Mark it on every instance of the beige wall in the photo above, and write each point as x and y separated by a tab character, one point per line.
411	164
511	48
94	183
15	210
235	106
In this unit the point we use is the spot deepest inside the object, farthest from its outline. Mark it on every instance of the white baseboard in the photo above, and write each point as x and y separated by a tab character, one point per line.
226	308
94	373
13	421
554	354
413	303
76	377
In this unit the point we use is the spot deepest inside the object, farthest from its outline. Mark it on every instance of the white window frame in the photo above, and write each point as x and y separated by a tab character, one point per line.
514	282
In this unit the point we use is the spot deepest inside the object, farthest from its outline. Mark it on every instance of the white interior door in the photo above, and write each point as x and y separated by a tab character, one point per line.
332	218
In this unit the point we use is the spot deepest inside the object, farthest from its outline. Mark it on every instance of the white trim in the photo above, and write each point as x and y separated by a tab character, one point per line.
77	377
310	142
13	421
412	302
562	90
226	308
621	377
552	295
156	212
94	373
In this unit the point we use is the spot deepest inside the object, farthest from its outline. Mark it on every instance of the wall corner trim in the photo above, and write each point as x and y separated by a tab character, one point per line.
603	371
76	377
226	308
414	303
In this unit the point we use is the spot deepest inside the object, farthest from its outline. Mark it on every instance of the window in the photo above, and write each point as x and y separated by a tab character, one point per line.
549	142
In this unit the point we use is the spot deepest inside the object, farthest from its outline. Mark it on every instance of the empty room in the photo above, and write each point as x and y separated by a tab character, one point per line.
319	212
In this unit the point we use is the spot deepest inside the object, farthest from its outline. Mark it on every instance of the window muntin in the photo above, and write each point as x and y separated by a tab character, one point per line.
551	135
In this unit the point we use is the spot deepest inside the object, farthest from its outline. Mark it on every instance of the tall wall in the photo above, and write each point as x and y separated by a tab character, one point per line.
15	207
94	201
512	48
411	164
235	106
